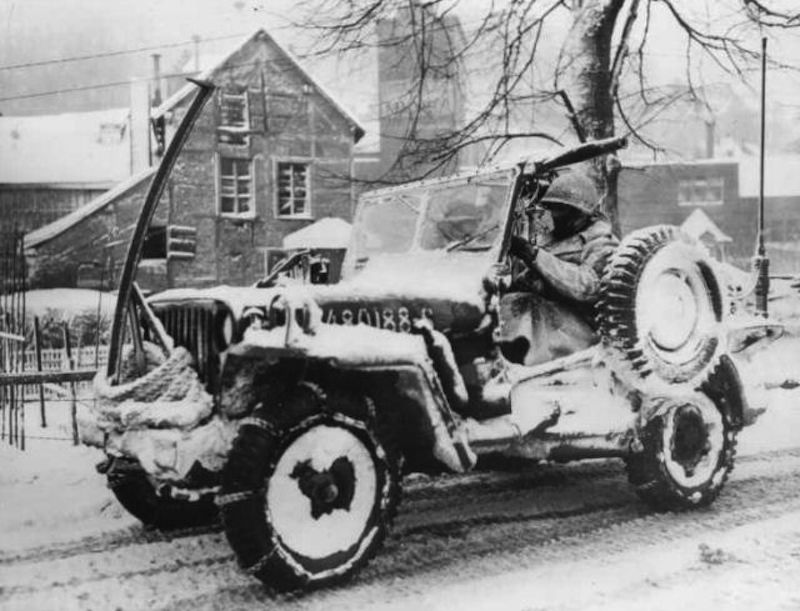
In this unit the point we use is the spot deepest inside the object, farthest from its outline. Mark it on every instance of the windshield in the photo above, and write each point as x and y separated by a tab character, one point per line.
462	214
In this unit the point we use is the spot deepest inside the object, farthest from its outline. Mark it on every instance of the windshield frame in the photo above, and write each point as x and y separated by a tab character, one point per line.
356	258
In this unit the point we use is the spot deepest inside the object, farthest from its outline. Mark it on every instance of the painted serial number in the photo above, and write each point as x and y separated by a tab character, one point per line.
391	319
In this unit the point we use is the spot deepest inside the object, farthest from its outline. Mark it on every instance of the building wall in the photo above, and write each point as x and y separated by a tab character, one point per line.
95	243
288	119
29	207
649	195
405	114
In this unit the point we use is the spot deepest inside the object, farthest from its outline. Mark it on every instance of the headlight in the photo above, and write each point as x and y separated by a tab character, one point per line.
226	330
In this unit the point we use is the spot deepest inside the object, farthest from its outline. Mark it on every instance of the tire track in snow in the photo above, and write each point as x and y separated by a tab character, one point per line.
443	520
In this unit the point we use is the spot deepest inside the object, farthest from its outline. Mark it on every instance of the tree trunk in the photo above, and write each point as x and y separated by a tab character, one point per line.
585	74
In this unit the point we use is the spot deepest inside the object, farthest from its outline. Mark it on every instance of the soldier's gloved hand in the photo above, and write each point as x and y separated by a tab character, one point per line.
496	279
522	249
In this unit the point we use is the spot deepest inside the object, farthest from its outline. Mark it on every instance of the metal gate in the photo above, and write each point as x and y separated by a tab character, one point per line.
12	337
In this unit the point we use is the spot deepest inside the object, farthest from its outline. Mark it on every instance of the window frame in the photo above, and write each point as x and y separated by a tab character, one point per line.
249	214
242	130
306	214
694	184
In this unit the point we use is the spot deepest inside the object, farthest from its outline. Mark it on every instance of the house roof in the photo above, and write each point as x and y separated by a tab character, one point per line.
781	176
86	148
218	63
698	223
329	232
39	236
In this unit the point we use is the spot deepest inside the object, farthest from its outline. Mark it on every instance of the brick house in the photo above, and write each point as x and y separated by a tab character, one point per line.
270	153
726	191
670	192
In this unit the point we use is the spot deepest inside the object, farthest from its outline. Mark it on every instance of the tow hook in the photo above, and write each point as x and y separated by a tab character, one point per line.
104	465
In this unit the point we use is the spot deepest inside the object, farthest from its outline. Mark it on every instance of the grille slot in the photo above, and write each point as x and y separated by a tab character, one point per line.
195	326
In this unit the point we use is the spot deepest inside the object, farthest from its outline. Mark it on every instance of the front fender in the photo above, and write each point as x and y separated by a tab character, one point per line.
362	355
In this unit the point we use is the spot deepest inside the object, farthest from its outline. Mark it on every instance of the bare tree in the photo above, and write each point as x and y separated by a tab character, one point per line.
599	79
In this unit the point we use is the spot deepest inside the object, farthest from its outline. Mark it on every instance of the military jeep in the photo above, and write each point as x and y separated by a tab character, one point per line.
310	402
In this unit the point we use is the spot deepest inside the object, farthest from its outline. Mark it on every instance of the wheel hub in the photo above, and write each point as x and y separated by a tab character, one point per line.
321	495
330	489
690	442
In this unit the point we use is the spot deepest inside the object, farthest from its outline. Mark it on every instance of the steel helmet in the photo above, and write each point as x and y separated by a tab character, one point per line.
574	190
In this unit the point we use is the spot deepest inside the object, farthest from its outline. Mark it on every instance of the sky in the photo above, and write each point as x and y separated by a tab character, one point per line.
42	30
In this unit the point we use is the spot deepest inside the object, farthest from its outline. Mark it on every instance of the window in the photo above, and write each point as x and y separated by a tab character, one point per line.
292	186
235	187
701	192
234	120
155	243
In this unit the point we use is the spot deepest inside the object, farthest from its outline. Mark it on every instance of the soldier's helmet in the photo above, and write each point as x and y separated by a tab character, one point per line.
574	190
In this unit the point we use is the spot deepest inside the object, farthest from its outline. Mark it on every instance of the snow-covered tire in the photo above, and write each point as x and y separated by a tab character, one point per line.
138	496
688	450
307	503
661	310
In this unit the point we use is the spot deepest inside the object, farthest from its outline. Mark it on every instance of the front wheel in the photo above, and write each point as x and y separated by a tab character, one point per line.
307	506
688	453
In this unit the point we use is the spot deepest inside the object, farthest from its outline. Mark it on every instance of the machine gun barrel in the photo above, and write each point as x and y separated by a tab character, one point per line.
582	152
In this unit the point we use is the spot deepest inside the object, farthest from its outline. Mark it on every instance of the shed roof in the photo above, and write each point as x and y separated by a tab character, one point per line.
698	223
39	236
83	148
218	63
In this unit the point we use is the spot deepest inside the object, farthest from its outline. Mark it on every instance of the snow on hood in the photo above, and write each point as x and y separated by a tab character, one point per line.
429	275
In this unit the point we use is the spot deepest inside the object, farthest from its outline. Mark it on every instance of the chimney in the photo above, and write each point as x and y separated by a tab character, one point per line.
710	125
196	41
139	125
157	79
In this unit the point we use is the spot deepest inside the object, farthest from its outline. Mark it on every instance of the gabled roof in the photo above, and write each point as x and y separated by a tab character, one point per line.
698	223
218	65
37	237
82	148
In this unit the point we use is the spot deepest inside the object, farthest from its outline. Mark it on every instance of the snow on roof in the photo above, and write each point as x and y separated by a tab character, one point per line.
208	73
781	176
51	230
329	232
83	147
698	224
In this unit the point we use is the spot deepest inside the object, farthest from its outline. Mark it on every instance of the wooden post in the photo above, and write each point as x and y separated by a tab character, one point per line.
74	401
37	343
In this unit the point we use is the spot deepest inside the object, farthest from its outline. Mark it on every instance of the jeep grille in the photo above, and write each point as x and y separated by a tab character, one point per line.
196	327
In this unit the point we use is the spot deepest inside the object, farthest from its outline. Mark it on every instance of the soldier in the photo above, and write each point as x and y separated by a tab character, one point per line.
568	244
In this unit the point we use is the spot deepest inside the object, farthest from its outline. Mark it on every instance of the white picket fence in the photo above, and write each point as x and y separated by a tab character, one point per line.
55	359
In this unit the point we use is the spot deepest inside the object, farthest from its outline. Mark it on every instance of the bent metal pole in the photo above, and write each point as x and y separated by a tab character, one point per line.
760	261
145	216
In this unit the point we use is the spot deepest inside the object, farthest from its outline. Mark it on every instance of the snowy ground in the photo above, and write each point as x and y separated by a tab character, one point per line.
587	544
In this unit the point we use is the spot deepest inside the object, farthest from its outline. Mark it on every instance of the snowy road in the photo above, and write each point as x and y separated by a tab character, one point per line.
559	537
553	537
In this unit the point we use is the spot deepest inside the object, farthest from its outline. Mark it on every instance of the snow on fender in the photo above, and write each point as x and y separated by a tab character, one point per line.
661	310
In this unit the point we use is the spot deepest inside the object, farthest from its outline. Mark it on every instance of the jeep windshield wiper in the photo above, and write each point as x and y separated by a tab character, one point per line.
468	239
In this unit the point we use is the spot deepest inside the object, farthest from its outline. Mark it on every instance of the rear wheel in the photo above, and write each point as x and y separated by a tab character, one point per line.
309	504
688	453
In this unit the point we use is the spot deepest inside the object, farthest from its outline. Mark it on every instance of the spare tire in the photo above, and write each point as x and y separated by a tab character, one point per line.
661	309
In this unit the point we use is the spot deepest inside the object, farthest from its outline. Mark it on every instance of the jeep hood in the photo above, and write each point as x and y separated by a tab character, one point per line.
445	287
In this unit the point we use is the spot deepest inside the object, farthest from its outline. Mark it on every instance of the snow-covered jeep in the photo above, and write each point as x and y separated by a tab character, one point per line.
296	410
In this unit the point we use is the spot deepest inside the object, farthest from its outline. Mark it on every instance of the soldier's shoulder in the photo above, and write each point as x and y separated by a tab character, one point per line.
599	230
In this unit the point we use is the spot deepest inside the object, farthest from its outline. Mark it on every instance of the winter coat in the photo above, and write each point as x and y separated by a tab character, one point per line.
552	302
569	270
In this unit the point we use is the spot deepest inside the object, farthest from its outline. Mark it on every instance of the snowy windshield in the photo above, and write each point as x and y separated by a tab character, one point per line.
451	215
